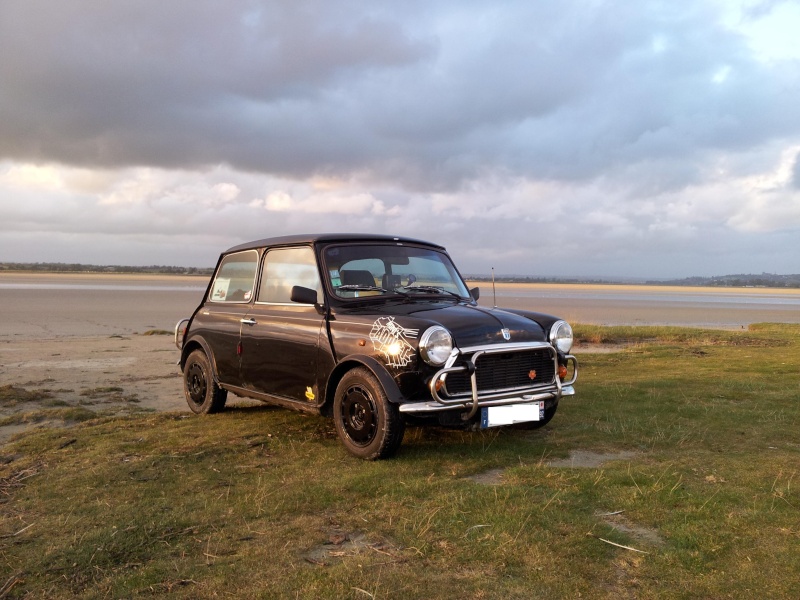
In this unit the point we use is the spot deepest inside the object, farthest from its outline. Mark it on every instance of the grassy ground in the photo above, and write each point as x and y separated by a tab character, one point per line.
697	497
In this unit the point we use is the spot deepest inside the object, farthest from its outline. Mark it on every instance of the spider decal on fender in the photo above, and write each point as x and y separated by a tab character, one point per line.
391	340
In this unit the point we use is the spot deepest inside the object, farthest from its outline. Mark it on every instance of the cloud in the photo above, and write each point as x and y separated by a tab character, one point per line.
321	203
430	95
796	172
594	137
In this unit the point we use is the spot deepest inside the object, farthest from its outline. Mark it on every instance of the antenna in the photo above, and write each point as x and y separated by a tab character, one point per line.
494	291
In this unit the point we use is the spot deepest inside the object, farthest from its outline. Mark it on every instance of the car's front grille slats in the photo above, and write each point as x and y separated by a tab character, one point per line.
503	371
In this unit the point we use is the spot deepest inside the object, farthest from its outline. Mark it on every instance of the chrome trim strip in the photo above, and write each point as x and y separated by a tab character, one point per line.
429	407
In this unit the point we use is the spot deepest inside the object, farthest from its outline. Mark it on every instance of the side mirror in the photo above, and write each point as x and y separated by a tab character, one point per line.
475	293
303	295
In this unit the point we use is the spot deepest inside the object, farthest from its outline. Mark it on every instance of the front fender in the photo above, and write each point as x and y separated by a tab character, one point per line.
378	369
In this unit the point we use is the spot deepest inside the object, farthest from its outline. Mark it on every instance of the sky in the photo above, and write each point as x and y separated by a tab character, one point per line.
586	138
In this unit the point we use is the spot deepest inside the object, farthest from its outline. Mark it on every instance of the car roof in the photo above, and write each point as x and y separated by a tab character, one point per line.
313	238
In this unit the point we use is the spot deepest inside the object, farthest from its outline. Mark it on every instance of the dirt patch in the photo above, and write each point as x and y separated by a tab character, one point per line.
639	534
341	544
586	459
599	348
490	477
578	459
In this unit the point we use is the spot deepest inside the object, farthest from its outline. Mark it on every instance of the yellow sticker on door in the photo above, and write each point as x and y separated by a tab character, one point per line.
310	394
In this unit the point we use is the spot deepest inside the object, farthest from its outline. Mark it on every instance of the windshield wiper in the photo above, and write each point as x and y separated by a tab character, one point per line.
354	287
361	288
431	289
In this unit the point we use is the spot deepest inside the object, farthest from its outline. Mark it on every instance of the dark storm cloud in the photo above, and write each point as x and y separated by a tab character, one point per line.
426	95
180	83
558	138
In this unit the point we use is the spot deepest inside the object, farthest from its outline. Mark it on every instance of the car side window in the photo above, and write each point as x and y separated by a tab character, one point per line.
285	268
235	278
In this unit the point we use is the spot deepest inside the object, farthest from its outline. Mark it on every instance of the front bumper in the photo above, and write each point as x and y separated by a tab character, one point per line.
495	397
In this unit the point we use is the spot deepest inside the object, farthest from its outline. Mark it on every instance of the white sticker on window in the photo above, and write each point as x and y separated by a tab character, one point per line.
220	291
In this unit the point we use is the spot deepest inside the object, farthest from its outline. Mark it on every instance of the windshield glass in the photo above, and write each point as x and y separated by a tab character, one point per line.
364	270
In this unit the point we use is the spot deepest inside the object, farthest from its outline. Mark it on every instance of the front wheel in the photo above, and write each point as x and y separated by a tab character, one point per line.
369	426
203	395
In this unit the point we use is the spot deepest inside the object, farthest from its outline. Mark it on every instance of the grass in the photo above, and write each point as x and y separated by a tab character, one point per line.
12	396
259	503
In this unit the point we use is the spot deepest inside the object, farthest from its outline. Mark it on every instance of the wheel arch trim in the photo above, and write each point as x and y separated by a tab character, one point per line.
198	343
349	363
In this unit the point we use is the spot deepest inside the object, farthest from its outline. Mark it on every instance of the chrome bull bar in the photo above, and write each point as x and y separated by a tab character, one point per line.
556	389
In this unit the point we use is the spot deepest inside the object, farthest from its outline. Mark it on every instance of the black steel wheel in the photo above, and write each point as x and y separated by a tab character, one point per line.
369	426
203	395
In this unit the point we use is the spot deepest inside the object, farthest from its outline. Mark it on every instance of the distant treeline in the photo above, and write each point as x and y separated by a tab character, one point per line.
80	268
764	280
521	279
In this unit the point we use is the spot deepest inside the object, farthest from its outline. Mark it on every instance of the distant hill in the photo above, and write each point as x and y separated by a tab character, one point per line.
80	268
763	280
770	280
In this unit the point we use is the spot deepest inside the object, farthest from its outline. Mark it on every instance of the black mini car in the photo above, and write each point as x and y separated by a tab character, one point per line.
374	331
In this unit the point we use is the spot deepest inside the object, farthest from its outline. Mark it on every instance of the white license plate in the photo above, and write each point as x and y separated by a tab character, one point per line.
497	416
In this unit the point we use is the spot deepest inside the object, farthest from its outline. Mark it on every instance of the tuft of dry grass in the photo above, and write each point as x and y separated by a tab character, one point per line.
12	396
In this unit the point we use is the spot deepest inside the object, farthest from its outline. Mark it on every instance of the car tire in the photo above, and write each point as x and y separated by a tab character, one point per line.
369	426
203	395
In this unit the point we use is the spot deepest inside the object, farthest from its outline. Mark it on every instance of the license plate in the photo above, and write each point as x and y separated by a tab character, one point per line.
497	416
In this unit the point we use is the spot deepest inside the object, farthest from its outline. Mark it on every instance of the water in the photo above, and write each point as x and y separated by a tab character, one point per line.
652	305
54	305
105	287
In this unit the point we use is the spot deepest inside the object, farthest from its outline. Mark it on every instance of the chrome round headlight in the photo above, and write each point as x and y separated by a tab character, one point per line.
435	345
561	336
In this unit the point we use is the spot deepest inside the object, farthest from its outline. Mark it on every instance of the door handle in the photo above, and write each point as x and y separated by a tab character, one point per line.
248	321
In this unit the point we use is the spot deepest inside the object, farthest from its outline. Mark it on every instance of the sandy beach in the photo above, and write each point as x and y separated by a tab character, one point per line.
717	308
87	341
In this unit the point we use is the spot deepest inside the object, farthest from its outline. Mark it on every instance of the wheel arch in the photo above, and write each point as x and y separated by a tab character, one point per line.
199	343
348	364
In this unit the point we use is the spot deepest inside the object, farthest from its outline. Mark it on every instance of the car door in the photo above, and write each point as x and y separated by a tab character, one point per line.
280	339
220	320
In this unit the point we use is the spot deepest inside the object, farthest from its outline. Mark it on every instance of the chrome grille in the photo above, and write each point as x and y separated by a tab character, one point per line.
504	371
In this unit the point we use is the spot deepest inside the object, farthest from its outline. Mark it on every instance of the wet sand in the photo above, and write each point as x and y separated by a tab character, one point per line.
80	340
37	306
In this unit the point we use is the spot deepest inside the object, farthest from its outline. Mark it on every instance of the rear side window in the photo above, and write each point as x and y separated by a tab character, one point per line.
285	268
235	278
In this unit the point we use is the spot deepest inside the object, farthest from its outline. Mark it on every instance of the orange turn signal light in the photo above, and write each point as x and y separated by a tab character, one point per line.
562	371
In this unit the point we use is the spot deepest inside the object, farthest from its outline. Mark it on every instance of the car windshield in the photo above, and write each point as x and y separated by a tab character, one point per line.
366	270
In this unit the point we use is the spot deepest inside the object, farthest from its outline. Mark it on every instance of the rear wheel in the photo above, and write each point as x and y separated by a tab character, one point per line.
203	395
369	426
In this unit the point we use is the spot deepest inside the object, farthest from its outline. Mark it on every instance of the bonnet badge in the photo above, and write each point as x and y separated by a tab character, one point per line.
506	333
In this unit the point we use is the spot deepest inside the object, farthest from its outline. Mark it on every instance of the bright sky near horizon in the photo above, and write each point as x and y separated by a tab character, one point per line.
593	138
